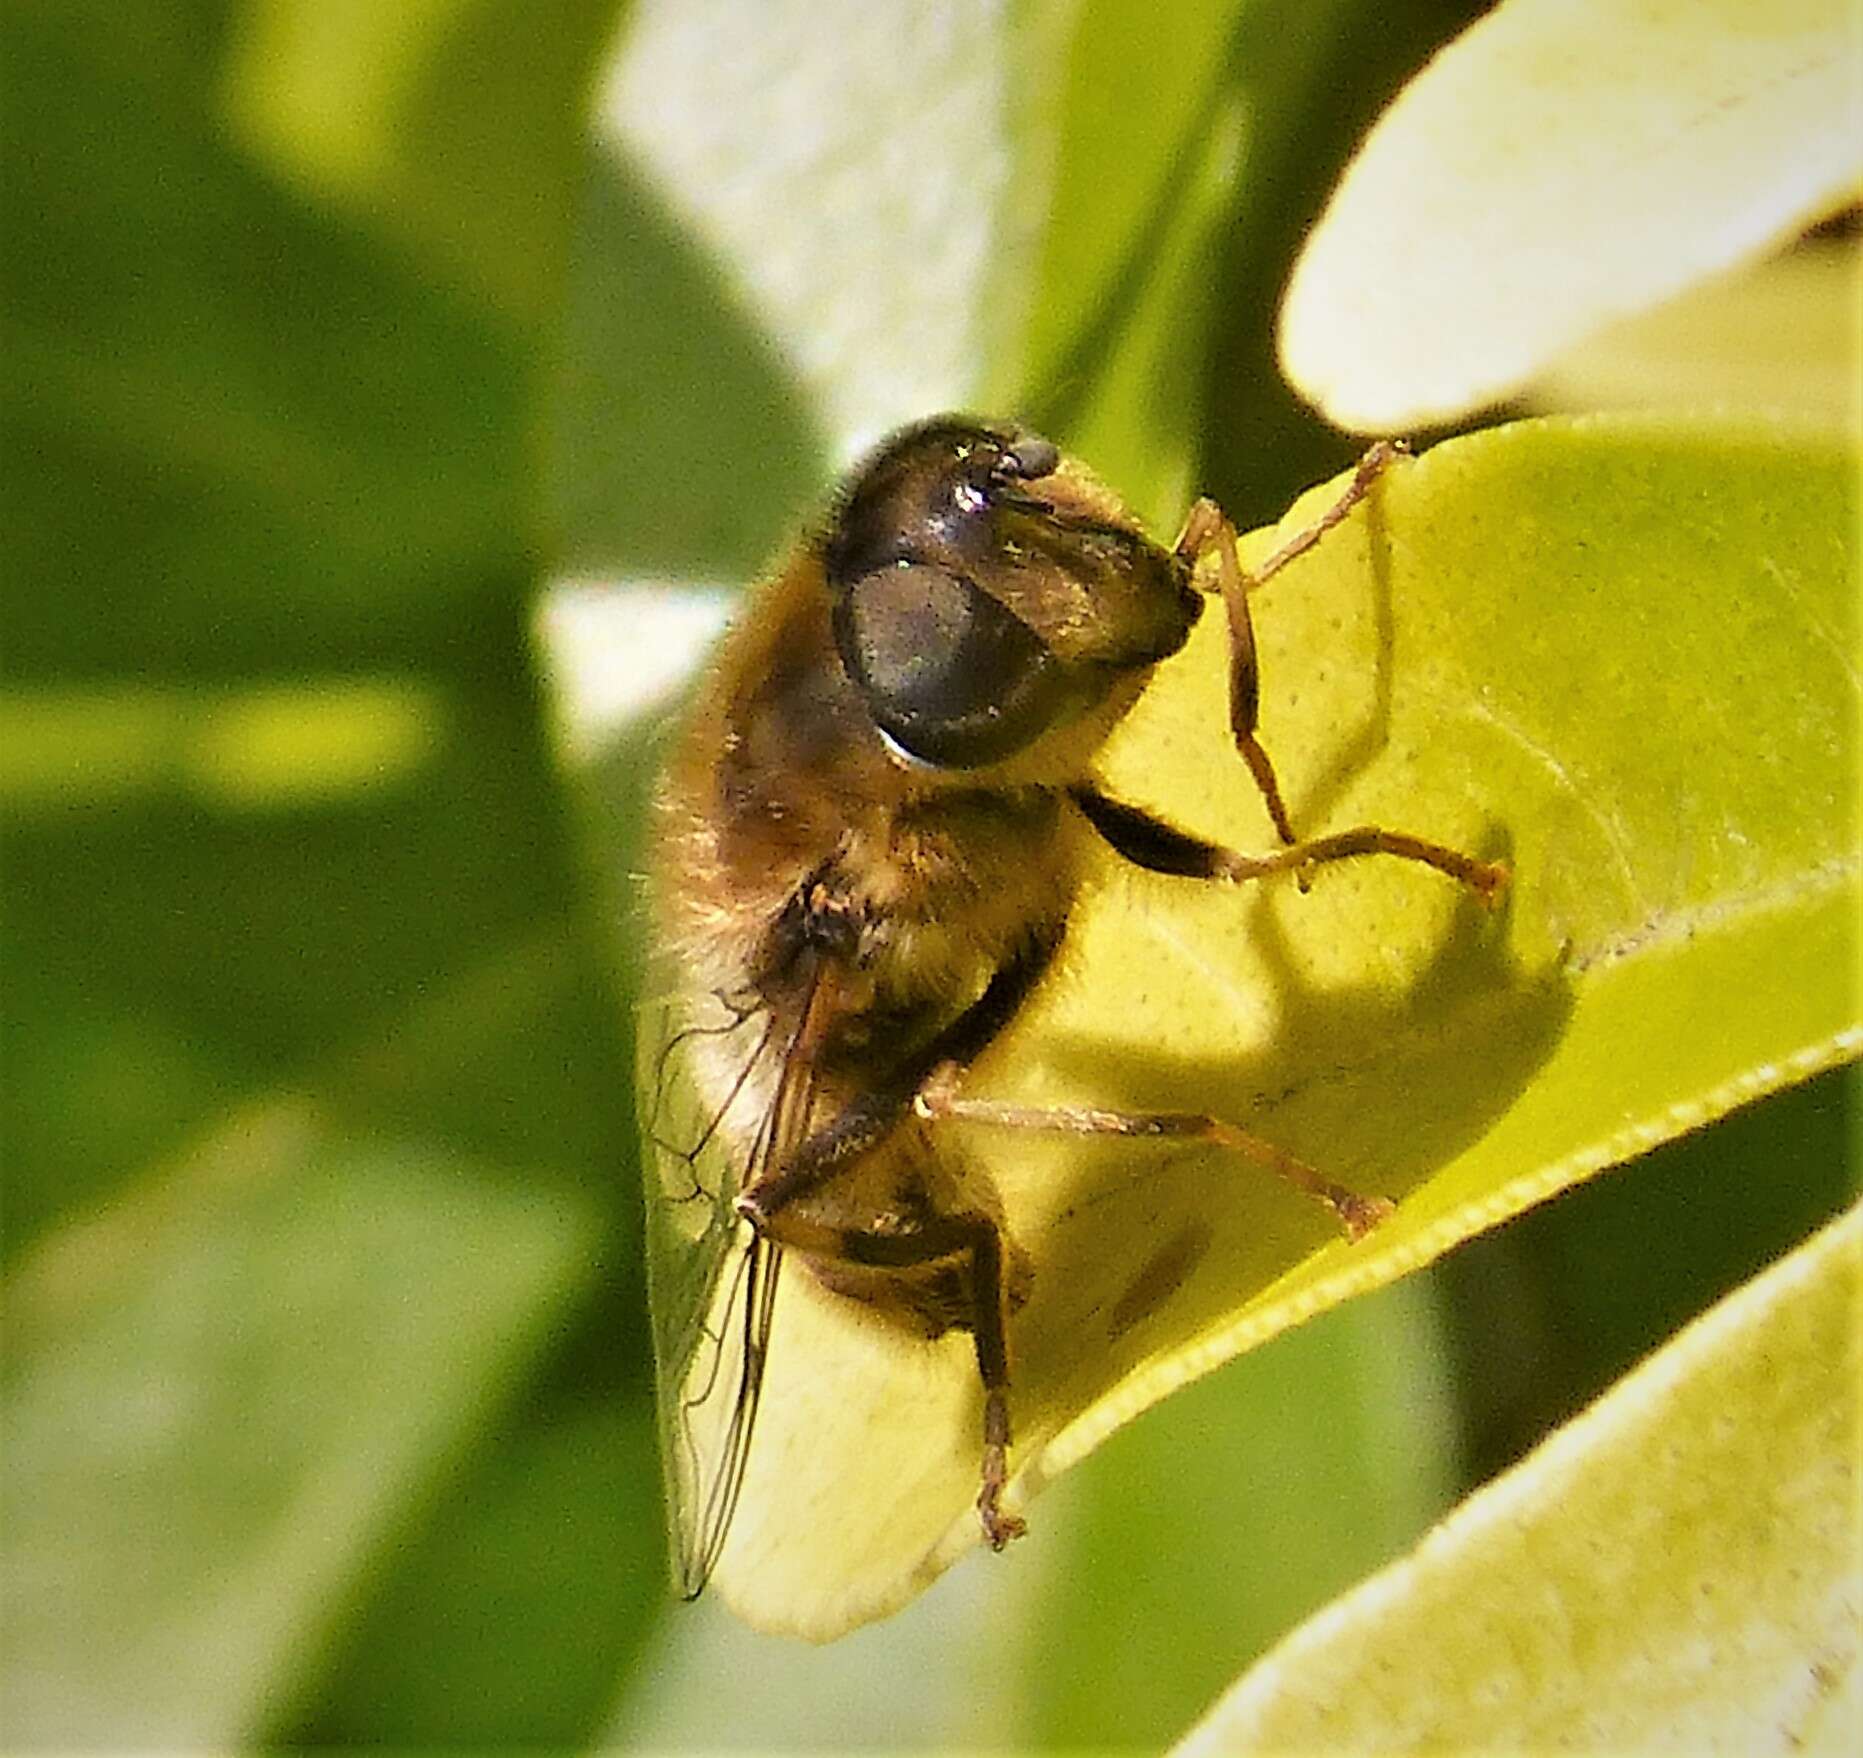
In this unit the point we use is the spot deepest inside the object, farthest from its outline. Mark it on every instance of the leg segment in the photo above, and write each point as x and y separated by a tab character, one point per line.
865	1122
1378	459
1484	878
1158	847
1207	526
967	1240
938	1101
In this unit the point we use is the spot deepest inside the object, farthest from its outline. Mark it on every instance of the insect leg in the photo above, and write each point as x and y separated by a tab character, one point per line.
867	1119
973	1241
939	1102
1377	459
771	1203
1159	847
1209	526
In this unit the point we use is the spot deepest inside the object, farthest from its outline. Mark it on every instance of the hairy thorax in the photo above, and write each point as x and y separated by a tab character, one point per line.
794	807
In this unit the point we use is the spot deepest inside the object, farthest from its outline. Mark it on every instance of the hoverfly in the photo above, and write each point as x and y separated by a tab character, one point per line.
868	842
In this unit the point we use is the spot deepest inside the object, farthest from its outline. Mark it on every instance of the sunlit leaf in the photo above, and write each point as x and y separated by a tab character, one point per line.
1676	1569
1618	653
1556	168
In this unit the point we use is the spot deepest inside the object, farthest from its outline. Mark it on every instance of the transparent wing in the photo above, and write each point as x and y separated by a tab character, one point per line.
722	1097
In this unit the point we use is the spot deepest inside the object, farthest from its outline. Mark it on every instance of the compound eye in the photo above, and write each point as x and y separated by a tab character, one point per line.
950	676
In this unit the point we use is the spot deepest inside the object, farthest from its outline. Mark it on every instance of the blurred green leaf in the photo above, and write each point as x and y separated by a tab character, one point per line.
269	458
506	1617
677	441
1253	1496
1677	1567
273	466
1107	261
864	245
1126	415
261	446
274	747
1130	113
217	1397
457	126
260	943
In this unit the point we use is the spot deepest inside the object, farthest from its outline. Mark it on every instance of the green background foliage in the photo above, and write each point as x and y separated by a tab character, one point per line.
324	1376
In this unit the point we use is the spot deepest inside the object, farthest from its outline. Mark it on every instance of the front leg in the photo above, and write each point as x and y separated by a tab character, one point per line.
1209	527
1159	847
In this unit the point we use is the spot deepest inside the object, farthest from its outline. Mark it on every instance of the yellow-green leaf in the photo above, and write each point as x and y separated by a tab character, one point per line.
1677	1569
1556	168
